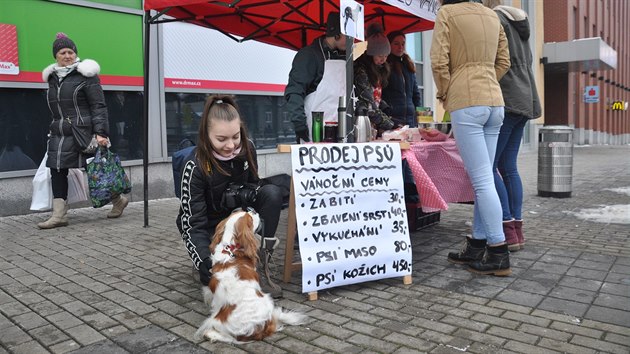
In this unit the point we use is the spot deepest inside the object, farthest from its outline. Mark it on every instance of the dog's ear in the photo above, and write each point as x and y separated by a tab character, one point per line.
245	236
218	235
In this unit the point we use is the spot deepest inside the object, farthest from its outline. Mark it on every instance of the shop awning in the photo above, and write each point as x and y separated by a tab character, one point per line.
587	54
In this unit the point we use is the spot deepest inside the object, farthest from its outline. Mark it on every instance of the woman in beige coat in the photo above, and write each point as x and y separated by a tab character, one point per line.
469	55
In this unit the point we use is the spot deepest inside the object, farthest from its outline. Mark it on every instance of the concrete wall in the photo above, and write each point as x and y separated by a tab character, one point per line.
583	136
16	192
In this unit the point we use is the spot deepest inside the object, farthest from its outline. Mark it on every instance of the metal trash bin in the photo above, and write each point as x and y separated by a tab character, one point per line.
555	161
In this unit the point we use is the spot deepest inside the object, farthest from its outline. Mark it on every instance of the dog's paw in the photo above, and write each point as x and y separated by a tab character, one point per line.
207	295
215	336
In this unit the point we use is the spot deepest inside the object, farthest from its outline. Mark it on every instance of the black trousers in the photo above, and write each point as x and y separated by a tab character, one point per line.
59	180
268	205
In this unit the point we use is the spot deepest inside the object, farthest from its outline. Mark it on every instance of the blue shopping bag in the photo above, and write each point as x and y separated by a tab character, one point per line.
106	177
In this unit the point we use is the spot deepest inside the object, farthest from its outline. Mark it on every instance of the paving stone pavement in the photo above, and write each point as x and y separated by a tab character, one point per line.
113	286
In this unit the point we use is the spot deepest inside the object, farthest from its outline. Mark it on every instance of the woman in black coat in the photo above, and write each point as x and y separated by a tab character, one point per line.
75	97
225	158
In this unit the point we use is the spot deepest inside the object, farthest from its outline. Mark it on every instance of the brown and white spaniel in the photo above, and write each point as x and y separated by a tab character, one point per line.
239	311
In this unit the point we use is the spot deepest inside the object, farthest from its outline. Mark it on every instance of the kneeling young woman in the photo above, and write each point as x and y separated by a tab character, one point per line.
223	158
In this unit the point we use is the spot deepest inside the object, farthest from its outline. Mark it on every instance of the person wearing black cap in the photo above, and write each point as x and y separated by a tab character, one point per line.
75	97
317	79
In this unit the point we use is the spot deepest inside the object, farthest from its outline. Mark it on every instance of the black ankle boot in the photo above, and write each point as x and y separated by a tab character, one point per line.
495	262
473	251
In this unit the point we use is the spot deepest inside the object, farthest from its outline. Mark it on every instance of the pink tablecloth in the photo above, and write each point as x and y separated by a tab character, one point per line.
439	173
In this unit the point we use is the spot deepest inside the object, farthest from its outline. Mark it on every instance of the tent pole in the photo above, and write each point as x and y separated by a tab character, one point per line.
349	84
145	154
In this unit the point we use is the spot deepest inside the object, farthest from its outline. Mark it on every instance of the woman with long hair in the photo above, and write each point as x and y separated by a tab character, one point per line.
218	176
402	93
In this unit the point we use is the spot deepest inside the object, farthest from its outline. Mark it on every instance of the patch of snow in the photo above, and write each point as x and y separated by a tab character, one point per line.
608	214
457	348
622	190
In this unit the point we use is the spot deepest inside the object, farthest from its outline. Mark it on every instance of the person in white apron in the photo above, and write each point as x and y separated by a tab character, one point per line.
317	79
326	96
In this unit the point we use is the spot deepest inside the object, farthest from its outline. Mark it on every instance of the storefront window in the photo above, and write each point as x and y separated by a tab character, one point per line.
417	43
126	123
24	120
414	49
25	117
267	121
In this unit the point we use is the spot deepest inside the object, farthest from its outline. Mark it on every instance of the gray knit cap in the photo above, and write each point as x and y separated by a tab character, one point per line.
378	44
62	42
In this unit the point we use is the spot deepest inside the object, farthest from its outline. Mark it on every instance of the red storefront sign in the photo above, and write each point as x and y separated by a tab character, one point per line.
9	64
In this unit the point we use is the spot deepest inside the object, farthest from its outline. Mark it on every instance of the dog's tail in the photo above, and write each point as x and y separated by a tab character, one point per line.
292	318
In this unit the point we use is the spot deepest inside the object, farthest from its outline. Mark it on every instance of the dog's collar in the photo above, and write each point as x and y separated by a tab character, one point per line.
229	249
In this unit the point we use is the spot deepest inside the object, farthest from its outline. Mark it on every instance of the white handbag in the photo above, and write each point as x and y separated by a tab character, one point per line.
42	188
77	186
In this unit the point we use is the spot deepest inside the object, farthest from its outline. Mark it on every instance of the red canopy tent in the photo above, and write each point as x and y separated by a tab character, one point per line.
286	23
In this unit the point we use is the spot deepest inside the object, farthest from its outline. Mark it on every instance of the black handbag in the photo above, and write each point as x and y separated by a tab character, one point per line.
84	139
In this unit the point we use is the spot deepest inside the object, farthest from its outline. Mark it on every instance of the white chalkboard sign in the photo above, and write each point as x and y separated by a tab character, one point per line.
351	216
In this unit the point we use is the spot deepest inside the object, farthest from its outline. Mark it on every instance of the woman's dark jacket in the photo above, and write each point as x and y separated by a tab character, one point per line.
402	93
78	99
200	210
518	85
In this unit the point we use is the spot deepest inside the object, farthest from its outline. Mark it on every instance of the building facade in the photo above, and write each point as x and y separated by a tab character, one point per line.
187	64
590	89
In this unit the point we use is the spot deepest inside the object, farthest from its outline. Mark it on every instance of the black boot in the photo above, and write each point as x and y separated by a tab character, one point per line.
473	251
495	262
267	245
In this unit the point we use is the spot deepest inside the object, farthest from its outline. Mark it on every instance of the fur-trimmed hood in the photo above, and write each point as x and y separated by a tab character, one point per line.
518	18
87	68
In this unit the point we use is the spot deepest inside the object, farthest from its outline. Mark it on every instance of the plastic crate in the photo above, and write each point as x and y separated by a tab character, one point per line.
417	219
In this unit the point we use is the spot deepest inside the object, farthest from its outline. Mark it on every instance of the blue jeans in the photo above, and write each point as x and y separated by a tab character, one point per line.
476	132
506	177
